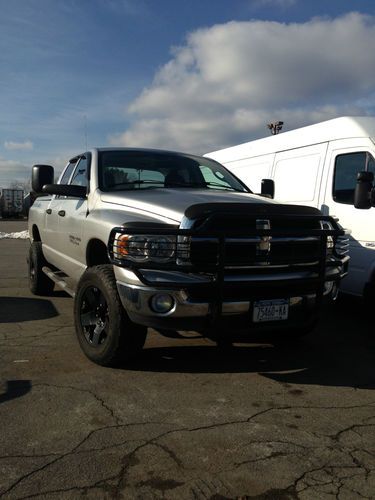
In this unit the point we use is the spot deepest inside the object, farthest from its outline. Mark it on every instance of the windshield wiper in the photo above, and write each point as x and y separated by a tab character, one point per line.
203	185
177	184
131	183
217	184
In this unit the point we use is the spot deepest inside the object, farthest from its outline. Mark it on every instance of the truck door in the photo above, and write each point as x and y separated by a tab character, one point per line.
72	214
345	160
50	237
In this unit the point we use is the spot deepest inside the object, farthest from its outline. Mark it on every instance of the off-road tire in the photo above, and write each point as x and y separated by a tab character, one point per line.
39	283
98	305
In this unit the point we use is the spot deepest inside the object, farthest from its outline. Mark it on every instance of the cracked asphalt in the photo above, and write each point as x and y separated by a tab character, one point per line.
266	420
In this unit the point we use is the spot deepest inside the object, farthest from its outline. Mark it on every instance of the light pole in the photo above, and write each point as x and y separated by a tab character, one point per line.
275	128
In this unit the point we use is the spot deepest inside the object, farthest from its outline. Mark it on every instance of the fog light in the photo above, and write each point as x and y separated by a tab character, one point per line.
331	289
335	292
328	286
162	303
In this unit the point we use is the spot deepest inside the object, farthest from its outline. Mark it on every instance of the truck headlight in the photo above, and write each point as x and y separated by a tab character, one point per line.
144	247
338	245
330	244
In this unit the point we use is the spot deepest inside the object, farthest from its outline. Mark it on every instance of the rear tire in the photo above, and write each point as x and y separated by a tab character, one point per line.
39	283
104	331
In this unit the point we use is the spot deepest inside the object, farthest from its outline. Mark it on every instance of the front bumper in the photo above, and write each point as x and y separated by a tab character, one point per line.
214	278
196	308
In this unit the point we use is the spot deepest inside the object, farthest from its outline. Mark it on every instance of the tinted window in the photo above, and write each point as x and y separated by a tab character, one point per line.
121	170
80	174
347	167
67	173
215	177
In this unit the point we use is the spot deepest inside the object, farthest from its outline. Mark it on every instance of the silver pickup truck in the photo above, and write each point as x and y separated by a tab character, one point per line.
147	238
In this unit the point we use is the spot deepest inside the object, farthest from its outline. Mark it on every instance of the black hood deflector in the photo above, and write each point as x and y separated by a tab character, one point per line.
203	210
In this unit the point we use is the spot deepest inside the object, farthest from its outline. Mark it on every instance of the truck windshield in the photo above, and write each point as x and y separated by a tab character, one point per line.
125	170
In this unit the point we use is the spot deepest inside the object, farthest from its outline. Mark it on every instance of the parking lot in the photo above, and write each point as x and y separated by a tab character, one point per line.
186	420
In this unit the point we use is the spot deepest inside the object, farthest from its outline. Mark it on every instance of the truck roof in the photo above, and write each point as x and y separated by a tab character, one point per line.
146	150
338	128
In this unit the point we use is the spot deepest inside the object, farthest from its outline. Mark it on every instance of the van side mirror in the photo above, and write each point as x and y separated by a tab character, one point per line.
41	175
363	194
268	188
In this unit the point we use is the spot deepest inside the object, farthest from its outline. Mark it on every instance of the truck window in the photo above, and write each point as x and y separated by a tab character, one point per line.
347	167
214	176
67	172
122	170
125	176
80	175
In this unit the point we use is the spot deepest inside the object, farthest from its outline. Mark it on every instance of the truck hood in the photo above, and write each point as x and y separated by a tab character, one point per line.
171	203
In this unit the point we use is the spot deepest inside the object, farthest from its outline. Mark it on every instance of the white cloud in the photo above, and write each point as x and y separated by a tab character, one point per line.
228	81
20	146
11	171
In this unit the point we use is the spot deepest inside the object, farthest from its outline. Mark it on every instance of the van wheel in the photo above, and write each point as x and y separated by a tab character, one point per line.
104	331
39	283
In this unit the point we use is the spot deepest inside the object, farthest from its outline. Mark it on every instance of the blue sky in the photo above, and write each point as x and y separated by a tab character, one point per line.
194	76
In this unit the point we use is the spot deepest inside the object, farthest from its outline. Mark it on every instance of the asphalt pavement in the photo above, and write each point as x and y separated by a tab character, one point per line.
186	420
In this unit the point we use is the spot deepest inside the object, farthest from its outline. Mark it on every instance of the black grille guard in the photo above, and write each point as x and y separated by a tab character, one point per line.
219	238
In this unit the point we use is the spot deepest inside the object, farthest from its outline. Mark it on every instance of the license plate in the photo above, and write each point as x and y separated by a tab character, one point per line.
270	310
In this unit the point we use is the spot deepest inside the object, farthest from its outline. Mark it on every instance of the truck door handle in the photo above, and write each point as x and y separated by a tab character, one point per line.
49	211
61	213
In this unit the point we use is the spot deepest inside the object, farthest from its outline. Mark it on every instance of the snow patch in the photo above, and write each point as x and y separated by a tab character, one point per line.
21	235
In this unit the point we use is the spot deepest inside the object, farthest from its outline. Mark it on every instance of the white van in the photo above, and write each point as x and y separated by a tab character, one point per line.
318	165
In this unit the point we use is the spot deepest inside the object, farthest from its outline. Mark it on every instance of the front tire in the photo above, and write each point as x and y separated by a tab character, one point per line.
104	331
39	283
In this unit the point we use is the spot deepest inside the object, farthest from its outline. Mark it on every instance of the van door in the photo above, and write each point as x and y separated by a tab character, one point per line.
297	174
344	160
251	171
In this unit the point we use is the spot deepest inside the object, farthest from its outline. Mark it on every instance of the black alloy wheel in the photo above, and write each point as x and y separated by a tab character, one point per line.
104	331
94	316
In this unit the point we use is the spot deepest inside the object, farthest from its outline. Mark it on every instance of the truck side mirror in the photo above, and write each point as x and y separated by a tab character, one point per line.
268	188
363	190
66	190
41	175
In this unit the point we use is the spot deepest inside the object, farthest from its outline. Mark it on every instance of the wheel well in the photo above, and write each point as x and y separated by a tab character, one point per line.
96	253
35	233
370	283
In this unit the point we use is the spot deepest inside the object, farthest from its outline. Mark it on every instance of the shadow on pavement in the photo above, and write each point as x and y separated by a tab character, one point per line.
18	309
15	389
340	352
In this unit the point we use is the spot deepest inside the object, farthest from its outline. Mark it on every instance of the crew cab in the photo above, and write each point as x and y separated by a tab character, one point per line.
148	238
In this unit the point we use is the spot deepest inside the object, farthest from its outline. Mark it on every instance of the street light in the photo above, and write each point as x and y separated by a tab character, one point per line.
275	128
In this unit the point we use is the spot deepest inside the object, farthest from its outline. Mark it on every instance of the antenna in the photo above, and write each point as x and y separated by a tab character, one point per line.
85	120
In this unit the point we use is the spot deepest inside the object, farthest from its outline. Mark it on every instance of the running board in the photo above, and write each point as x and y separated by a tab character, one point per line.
59	279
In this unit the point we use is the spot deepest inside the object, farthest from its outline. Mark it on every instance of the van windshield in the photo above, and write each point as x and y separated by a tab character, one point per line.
132	169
